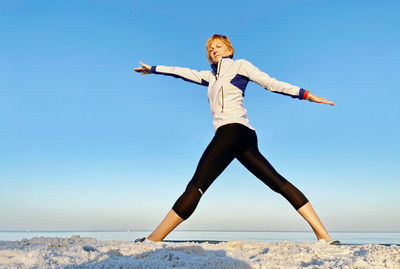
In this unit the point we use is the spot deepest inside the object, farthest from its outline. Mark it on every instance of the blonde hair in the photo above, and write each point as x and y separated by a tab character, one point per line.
223	39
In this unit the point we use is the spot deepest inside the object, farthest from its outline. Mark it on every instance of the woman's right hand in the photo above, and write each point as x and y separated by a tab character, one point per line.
313	98
144	69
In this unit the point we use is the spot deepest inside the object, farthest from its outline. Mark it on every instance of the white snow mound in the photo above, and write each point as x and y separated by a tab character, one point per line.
77	252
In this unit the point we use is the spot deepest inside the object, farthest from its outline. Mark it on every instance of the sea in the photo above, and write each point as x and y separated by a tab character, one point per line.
383	238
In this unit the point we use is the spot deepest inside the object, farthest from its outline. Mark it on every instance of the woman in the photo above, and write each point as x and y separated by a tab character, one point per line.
234	136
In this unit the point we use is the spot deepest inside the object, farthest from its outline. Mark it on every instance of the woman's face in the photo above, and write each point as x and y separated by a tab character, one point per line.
218	50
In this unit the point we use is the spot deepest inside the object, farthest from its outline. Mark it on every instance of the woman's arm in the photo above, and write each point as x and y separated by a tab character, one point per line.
270	83
274	85
190	75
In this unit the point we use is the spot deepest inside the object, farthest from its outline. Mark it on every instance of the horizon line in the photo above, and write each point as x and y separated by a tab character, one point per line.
198	230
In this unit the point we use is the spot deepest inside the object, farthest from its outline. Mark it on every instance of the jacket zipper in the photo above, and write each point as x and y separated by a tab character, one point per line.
222	88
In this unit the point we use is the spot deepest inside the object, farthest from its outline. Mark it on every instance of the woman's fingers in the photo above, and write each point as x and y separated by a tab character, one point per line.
139	69
145	65
324	101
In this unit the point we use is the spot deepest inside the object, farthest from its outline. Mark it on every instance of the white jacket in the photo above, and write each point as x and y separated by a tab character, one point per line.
226	86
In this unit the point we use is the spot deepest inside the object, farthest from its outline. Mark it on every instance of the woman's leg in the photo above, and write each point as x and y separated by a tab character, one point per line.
217	156
308	213
255	162
166	226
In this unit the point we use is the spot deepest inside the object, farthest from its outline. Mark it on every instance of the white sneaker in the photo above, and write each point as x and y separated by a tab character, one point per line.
329	241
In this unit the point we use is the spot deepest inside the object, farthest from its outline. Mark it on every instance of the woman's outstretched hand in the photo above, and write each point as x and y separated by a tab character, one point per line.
144	69
313	98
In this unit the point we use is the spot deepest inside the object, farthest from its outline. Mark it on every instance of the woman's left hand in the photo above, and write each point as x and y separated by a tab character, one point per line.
313	98
144	69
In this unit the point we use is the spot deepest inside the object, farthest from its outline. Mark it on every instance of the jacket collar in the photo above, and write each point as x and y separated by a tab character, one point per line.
214	66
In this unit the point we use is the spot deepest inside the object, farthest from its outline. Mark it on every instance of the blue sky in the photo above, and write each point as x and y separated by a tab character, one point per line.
88	144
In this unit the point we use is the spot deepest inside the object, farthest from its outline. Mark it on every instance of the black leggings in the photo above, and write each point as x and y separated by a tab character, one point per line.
233	141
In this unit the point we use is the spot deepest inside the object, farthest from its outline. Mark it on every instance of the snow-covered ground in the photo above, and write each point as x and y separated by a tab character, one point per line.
83	252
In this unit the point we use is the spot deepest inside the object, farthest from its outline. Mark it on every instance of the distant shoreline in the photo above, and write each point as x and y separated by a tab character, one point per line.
347	237
144	230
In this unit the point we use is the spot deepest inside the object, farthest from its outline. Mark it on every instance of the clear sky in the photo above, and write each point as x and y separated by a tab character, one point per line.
88	144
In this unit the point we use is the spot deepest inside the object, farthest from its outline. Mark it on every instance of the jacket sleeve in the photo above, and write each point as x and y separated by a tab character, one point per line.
271	84
190	75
